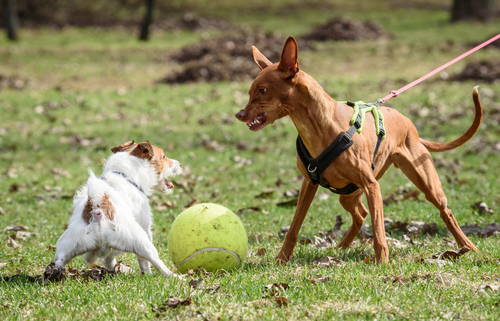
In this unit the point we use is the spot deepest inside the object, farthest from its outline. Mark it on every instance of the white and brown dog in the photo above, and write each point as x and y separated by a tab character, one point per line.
112	213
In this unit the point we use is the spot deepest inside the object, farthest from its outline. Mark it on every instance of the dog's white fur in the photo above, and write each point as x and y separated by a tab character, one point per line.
130	229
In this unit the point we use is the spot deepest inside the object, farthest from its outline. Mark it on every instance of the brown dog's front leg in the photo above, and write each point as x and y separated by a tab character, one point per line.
375	204
306	195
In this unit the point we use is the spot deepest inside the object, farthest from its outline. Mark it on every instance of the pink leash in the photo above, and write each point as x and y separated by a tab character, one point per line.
435	71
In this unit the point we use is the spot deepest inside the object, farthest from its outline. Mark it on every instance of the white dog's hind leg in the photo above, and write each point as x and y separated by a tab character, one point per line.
120	239
68	247
144	265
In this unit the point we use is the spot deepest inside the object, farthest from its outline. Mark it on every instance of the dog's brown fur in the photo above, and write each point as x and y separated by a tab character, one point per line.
282	89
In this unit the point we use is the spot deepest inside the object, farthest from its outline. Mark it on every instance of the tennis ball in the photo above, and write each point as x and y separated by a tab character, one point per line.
207	235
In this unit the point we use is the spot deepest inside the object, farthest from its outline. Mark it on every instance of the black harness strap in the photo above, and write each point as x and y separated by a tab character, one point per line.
316	166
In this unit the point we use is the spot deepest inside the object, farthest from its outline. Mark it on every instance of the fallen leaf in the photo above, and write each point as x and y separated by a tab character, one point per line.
191	202
194	283
275	288
290	203
173	303
327	242
368	260
2	265
450	243
14	244
281	301
261	252
285	229
396	279
15	228
248	209
329	262
265	194
97	273
292	193
451	254
320	279
24	235
482	208
121	267
53	274
395	243
214	288
486	288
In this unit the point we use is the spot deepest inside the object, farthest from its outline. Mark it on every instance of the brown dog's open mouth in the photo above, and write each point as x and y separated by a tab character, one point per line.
169	184
257	122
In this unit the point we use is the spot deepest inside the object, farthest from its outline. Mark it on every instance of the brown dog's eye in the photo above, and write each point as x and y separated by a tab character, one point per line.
163	156
262	90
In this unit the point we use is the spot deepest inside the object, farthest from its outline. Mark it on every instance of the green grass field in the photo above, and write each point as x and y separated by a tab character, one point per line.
91	89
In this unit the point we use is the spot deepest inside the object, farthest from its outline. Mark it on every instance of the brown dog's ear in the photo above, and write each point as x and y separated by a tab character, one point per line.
260	59
289	58
143	150
123	147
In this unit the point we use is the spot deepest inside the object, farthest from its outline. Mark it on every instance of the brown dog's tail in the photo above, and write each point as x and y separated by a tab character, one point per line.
442	147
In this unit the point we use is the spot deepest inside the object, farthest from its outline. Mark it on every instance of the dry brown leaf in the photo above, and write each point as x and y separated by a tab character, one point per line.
320	279
248	209
14	244
329	262
24	235
2	265
15	228
194	283
191	202
121	267
281	301
485	288
275	288
261	252
451	254
173	303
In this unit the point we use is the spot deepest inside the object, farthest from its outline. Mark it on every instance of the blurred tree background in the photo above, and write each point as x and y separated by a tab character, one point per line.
141	13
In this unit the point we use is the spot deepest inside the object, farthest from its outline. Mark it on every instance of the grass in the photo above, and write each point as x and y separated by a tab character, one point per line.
98	85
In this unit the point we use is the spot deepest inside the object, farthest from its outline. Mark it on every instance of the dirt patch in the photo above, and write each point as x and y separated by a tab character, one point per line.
342	29
227	58
14	82
192	22
484	70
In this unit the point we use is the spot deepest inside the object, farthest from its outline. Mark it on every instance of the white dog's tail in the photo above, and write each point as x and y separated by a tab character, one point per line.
98	204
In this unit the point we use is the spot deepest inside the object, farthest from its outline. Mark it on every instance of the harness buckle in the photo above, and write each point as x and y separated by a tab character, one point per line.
311	171
347	138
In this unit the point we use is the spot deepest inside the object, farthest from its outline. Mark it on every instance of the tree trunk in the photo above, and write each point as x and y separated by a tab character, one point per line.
11	21
148	18
480	10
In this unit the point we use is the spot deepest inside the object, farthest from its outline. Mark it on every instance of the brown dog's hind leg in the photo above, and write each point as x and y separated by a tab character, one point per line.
416	163
306	195
352	203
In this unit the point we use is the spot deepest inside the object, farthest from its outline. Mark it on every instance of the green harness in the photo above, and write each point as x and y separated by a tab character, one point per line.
316	166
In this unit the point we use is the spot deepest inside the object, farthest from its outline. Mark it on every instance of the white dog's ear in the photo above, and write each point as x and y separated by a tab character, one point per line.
143	150
127	147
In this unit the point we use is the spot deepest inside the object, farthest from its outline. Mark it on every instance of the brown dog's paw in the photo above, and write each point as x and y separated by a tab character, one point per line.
282	259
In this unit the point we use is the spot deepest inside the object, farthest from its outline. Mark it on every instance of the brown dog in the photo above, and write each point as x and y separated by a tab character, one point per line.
282	89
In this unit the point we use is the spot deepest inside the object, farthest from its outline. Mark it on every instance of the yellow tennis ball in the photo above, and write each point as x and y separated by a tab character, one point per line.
207	235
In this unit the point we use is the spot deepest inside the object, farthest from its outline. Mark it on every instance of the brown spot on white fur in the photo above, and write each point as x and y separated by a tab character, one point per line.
143	150
107	208
127	147
87	212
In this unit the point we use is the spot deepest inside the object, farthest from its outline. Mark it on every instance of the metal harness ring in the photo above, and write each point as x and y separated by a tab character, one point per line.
311	171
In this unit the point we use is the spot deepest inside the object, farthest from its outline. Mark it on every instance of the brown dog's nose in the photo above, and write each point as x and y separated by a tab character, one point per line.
241	115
